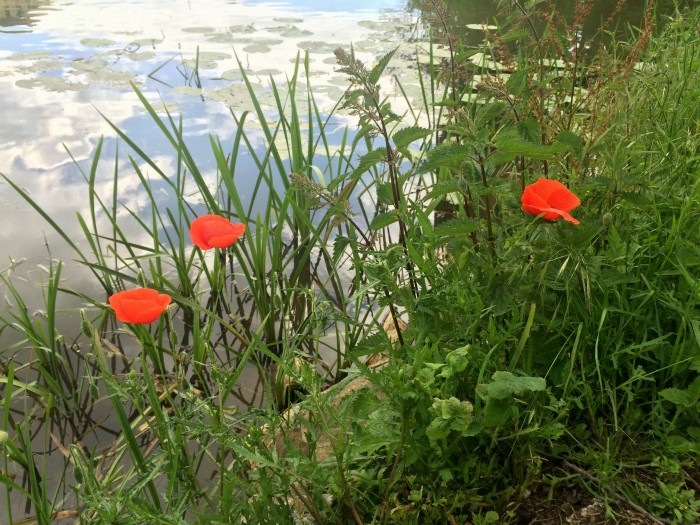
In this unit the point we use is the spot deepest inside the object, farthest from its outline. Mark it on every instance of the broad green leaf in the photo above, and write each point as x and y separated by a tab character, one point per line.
450	155
510	148
378	69
505	384
383	220
455	227
406	136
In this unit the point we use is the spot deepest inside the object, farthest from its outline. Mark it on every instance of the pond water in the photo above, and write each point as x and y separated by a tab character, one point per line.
62	63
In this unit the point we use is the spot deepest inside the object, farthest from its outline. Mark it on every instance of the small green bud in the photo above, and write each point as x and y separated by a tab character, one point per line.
174	339
85	324
4	436
607	220
94	391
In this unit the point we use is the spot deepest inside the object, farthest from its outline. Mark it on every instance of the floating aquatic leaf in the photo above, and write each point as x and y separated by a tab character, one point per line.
295	32
284	20
220	38
268	72
50	84
41	66
147	41
88	65
233	96
213	55
235	74
141	57
257	48
424	48
32	55
484	60
318	47
97	42
203	29
200	64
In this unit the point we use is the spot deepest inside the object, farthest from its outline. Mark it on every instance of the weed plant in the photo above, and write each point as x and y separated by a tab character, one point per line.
531	356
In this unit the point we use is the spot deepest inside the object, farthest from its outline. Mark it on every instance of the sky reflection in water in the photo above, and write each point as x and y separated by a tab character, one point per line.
62	63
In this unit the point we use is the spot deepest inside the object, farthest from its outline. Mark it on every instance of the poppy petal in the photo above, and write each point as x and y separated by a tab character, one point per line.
563	200
139	306
553	213
214	231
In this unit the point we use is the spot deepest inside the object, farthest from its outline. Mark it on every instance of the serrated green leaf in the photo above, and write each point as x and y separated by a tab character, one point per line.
385	194
378	69
456	227
488	112
677	397
510	148
368	161
443	188
570	140
446	156
372	344
382	220
339	244
528	130
406	136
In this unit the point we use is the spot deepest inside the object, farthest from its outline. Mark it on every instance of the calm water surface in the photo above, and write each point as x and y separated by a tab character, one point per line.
61	62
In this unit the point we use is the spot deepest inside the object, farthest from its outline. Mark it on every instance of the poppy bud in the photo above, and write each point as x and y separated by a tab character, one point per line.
607	220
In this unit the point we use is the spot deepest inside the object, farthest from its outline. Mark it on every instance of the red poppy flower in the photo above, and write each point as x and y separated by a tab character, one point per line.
551	198
139	306
213	231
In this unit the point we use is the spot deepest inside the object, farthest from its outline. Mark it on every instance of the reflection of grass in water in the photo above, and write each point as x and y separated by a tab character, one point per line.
285	251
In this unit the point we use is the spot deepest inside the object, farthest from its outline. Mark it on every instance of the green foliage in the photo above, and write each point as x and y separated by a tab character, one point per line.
524	352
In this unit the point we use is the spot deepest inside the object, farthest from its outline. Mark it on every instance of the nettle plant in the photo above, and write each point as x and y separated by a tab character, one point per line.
463	372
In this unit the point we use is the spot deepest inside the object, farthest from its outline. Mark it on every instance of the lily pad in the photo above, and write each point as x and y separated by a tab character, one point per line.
317	47
97	42
284	20
295	32
88	65
242	29
236	74
257	48
142	56
41	66
200	64
31	55
58	84
203	29
213	55
268	72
